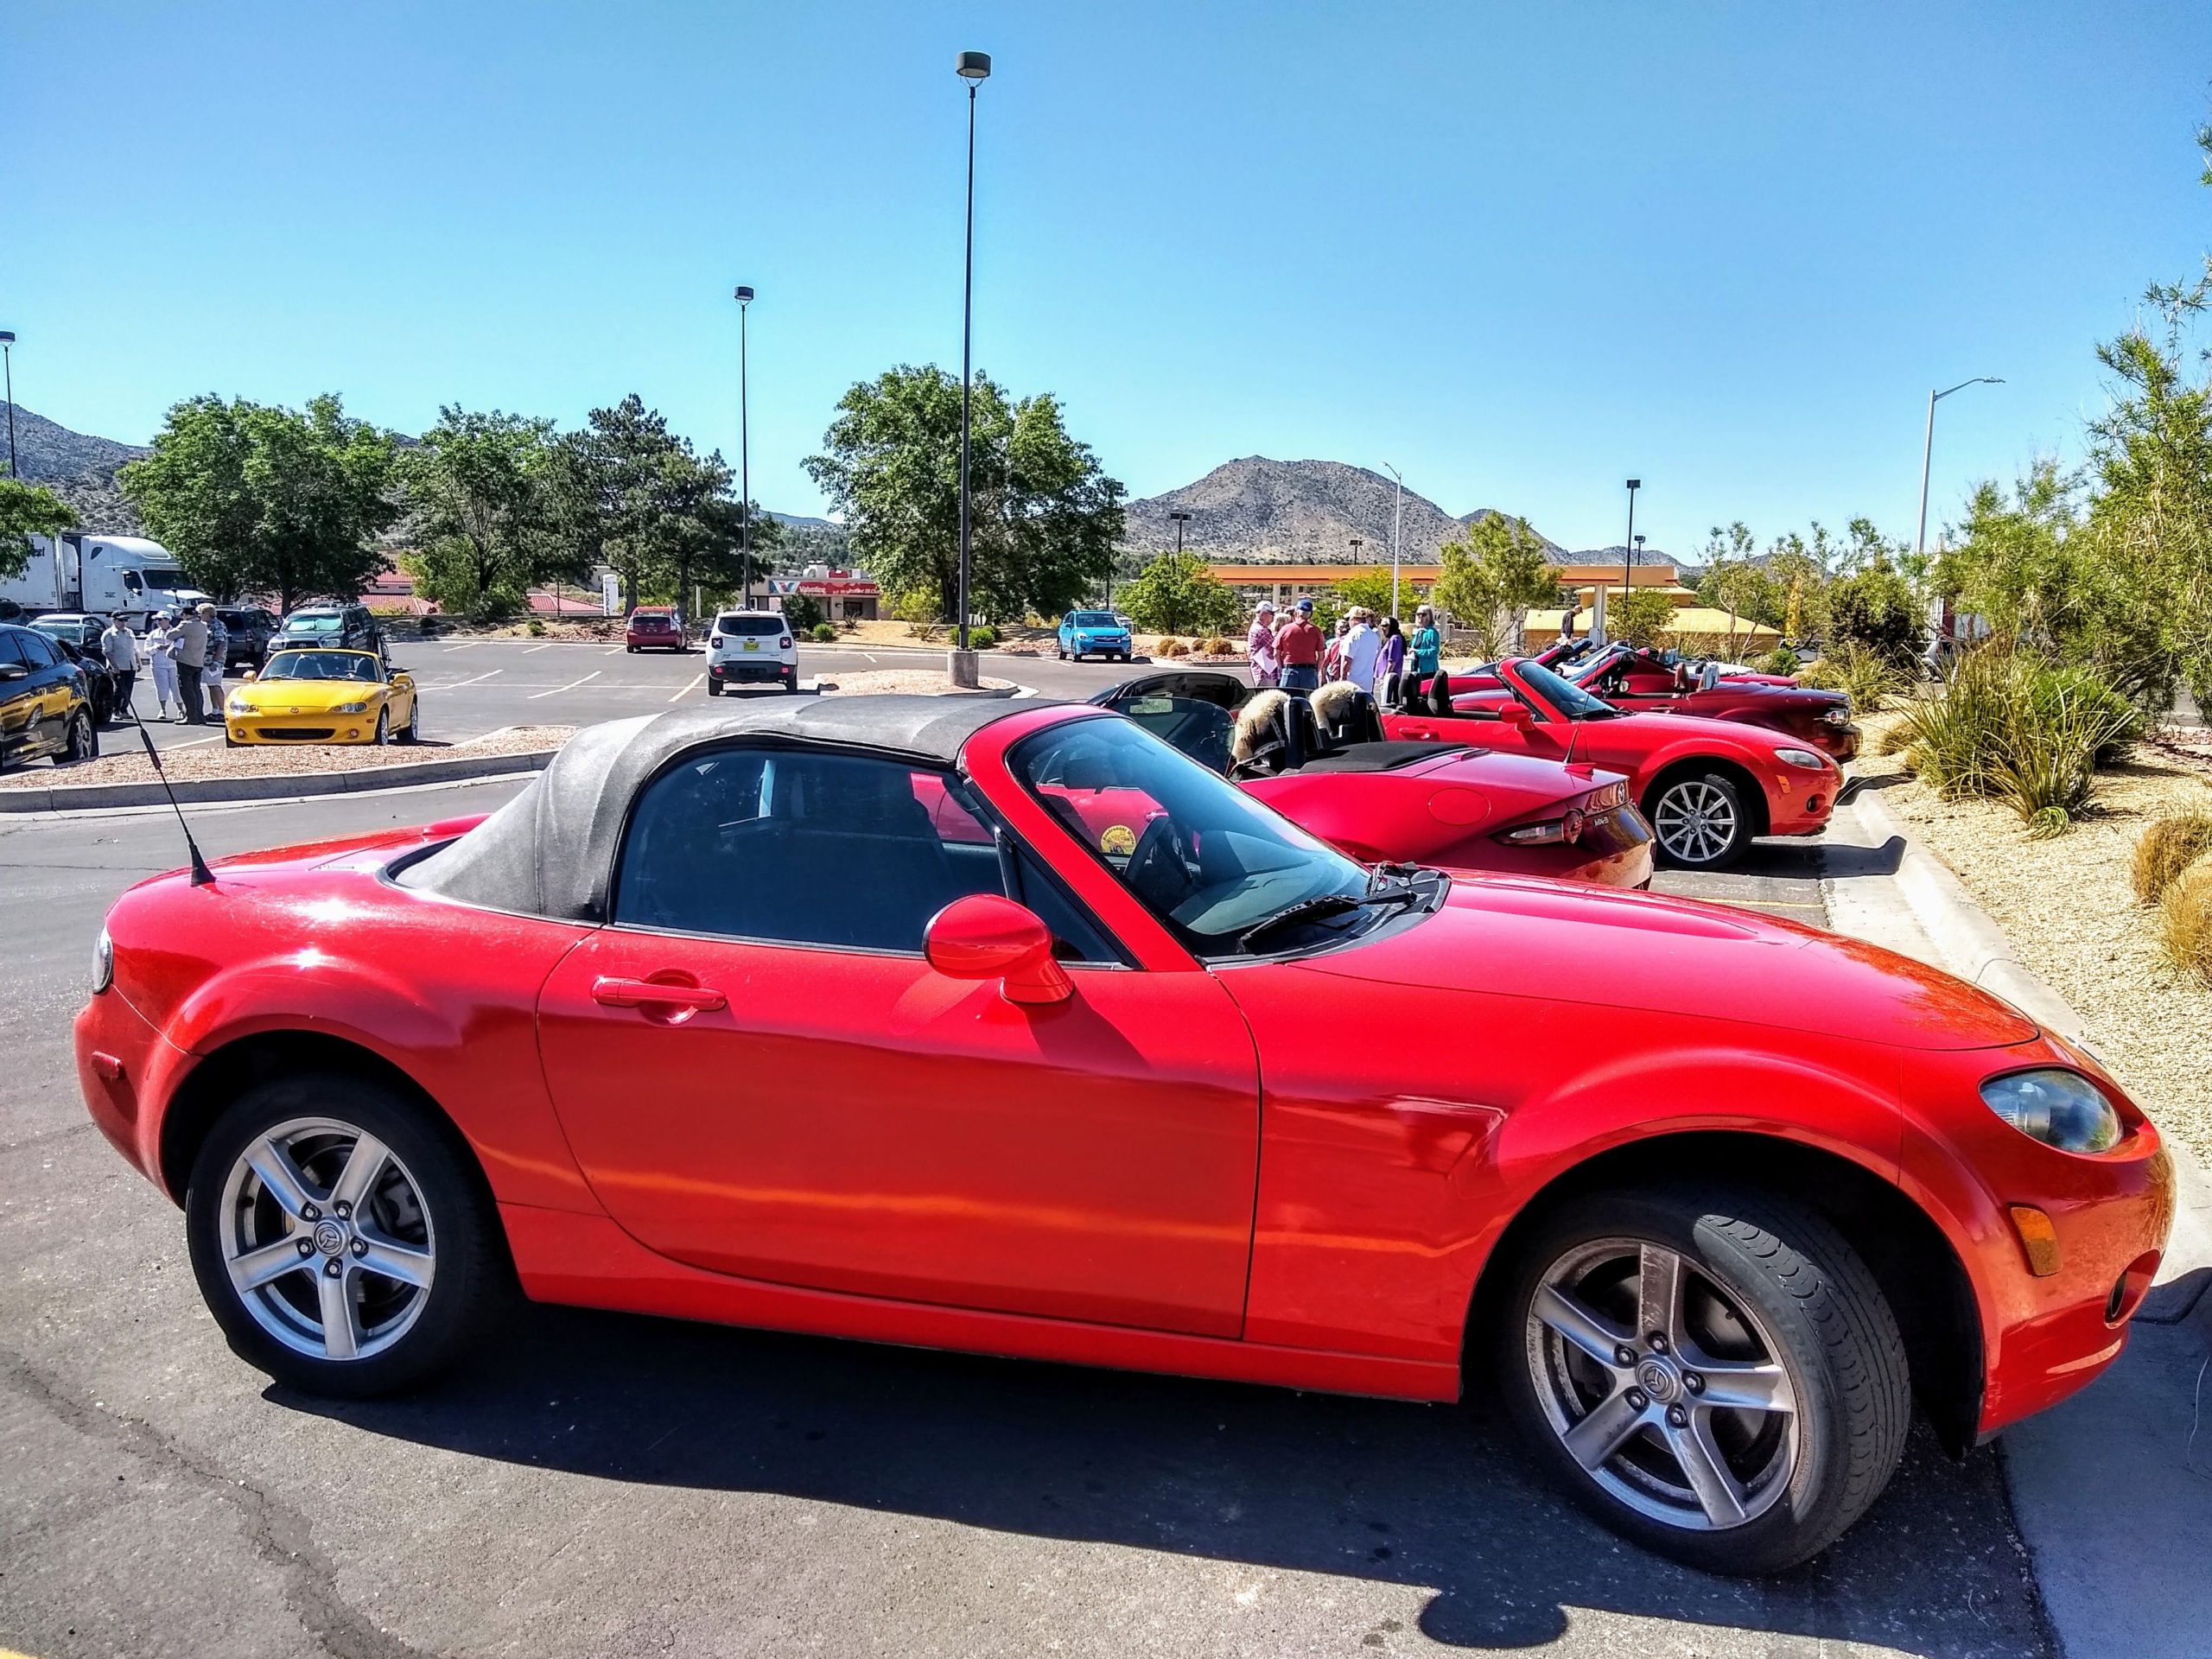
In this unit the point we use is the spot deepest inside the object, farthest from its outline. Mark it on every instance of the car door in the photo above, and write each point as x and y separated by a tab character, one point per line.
53	694
813	1104
19	701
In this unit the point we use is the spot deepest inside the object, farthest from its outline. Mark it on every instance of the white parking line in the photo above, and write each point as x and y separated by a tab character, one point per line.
570	686
611	650
534	650
194	743
457	685
465	644
697	680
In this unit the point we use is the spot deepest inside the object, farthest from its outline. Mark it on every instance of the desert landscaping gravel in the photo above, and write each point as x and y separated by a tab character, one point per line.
128	766
2067	906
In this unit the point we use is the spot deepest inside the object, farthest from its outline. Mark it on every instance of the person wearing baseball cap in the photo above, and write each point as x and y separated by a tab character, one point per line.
1298	649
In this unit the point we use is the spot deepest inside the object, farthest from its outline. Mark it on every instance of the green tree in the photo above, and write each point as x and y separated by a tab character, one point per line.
27	510
1044	517
257	499
1494	573
479	488
1176	594
1734	582
1370	588
1875	609
1640	615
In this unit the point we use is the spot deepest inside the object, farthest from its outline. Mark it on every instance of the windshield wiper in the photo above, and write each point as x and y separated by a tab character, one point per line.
1326	905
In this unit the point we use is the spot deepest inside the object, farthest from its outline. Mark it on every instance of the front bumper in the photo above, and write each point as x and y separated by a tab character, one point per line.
260	728
1838	743
1092	645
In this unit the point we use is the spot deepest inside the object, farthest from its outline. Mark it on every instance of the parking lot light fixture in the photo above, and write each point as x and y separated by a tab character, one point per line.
8	363
1928	448
744	461
974	68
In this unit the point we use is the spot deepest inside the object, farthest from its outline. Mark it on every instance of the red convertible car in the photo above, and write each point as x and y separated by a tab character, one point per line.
1381	801
711	1020
1630	677
1709	787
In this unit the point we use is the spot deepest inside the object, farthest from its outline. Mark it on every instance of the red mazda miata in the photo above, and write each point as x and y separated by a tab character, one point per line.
1709	787
1457	808
714	1021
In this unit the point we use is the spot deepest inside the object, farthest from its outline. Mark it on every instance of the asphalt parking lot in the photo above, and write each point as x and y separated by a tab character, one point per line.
596	1484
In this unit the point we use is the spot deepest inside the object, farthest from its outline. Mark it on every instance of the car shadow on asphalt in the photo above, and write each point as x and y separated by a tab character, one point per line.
1442	1498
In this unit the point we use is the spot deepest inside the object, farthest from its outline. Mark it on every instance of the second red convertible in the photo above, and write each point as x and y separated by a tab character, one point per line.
1707	1200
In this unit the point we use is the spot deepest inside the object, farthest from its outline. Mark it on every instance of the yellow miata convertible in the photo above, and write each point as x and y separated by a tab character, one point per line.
323	696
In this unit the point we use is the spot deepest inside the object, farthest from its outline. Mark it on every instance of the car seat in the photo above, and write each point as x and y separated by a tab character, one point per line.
1440	694
1344	715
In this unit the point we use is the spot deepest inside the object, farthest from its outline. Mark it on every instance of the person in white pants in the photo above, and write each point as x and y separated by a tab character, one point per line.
161	652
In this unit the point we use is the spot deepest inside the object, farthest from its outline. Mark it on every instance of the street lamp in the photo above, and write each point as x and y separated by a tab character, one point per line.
744	297
1397	522
1928	448
8	363
1181	519
974	68
1628	551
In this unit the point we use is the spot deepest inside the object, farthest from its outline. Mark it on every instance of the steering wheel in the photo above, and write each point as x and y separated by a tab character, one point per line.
1159	870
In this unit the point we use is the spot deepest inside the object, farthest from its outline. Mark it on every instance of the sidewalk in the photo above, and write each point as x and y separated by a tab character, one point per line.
2112	1498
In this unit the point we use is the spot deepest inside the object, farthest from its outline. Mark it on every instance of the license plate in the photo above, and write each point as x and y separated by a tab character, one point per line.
753	645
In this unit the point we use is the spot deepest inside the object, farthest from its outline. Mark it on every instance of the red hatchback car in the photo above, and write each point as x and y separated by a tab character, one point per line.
1709	787
1708	1210
654	628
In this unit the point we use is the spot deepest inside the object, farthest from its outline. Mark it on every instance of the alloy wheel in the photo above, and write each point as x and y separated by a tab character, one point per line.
1667	1391
1696	821
327	1243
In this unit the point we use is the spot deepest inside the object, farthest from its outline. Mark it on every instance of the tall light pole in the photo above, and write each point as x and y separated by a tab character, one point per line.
744	459
8	363
1928	448
1397	523
1181	519
1628	549
975	69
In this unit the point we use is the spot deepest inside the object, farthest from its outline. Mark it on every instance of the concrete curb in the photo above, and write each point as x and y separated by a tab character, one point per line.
1978	950
272	787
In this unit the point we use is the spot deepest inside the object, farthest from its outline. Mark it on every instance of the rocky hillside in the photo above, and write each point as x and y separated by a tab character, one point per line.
1295	511
78	468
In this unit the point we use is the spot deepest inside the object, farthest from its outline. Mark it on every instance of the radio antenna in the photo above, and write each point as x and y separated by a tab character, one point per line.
201	875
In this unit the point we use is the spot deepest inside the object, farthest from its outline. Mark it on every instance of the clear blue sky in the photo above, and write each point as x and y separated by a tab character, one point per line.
1522	250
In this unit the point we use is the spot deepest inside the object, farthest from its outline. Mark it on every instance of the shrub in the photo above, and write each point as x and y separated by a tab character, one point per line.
1217	645
1873	612
924	631
1174	648
803	611
982	639
2169	846
1780	660
823	633
1869	679
2184	924
2010	724
535	628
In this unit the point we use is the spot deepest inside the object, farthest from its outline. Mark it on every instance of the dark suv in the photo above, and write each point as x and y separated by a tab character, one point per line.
46	706
250	628
348	627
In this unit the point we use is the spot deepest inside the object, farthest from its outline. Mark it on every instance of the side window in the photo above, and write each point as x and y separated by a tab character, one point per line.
38	650
811	850
11	647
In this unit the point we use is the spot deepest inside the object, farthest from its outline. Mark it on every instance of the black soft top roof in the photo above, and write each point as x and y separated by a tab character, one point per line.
550	851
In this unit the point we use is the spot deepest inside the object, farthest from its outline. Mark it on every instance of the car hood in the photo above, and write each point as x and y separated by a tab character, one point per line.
308	696
1570	942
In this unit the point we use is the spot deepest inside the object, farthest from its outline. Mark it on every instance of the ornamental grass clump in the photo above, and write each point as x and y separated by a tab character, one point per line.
2184	922
2169	846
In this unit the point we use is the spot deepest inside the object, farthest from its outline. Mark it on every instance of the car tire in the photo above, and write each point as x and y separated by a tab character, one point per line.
790	682
82	742
713	688
425	1211
632	650
1700	820
1761	1278
412	731
1062	651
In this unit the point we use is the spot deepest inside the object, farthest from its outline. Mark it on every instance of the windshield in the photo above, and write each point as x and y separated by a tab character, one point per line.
1567	697
1097	619
322	665
311	624
1200	853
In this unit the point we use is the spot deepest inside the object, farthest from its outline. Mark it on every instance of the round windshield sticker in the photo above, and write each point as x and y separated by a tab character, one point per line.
1119	840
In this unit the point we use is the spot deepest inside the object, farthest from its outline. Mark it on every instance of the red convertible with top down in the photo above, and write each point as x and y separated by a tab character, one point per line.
1323	762
1636	679
1227	1103
1709	787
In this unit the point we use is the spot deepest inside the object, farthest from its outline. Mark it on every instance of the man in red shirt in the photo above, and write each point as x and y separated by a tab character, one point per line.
1298	649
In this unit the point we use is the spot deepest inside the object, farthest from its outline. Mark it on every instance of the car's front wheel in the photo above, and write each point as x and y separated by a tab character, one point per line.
83	741
1700	820
338	1237
412	731
1711	1371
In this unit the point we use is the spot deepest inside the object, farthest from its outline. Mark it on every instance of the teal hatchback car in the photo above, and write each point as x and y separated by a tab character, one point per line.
1086	633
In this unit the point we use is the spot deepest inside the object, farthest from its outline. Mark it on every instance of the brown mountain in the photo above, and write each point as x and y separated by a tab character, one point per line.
1294	512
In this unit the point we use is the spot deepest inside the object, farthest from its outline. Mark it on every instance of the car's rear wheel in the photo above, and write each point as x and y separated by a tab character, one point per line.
338	1238
1712	1372
713	688
1701	820
83	741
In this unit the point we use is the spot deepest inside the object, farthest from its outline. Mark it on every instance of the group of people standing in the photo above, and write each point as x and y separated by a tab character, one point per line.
1372	652
184	651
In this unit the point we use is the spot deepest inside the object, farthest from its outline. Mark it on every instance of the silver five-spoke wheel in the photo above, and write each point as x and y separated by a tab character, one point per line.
1668	1391
327	1239
1697	820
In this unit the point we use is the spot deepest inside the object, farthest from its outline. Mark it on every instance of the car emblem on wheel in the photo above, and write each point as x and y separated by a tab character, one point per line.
329	1237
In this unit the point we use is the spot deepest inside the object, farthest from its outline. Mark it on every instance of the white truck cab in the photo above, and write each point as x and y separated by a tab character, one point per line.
84	570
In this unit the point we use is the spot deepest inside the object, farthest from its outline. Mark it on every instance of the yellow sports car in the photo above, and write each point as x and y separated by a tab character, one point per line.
321	695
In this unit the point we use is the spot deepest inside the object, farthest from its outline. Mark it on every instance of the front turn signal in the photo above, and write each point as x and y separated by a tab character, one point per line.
2038	1238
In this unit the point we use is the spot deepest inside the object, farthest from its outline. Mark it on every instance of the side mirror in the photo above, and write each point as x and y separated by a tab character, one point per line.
1514	713
986	936
252	674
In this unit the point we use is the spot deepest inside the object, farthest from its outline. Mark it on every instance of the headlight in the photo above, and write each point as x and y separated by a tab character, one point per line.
2060	1109
1839	715
238	705
103	962
1804	758
351	709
